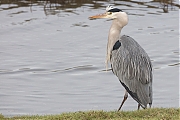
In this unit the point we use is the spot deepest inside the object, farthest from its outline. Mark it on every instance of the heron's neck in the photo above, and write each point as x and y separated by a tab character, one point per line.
114	32
114	35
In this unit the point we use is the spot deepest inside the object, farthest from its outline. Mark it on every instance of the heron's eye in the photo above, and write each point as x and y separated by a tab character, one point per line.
109	13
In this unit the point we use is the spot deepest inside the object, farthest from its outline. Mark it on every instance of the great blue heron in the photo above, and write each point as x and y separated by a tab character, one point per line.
129	61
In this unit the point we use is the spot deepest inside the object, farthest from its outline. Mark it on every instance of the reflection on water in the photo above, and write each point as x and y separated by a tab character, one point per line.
52	56
52	7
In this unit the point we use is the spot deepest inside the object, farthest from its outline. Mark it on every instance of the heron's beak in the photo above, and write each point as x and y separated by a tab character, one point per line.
104	15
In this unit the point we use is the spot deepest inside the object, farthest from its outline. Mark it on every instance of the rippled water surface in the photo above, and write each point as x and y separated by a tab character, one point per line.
52	55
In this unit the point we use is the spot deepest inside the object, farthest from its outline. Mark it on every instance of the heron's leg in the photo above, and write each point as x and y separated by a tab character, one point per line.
150	105
138	106
125	98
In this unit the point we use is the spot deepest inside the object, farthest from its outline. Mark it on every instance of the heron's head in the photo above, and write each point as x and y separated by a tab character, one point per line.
113	13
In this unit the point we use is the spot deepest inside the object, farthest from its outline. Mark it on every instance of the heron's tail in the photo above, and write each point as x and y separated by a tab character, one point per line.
144	94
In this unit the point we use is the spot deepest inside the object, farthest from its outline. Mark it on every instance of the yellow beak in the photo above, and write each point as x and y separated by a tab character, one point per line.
104	15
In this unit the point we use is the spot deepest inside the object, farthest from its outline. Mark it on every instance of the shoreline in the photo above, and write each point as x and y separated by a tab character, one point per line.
150	113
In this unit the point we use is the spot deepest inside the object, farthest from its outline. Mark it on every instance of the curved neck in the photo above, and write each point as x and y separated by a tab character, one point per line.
114	32
113	37
121	20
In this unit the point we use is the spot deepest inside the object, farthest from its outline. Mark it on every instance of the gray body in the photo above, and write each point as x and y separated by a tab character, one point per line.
131	64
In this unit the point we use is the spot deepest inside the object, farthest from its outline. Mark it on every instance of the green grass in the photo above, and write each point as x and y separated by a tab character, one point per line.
153	114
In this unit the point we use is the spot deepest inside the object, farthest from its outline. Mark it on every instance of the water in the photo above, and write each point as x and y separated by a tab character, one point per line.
52	55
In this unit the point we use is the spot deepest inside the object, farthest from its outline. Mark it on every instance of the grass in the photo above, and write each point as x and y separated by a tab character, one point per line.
153	114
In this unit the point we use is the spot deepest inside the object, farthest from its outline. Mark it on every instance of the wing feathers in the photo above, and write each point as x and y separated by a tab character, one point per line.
131	64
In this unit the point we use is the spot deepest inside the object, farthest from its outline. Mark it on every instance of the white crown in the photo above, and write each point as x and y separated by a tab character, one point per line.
109	7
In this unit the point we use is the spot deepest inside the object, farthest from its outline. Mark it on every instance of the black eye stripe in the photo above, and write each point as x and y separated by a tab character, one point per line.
115	10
